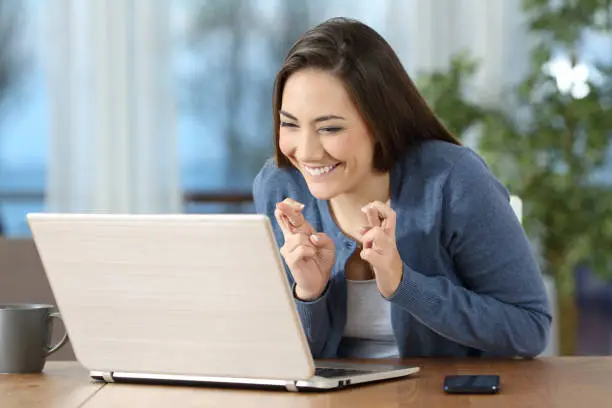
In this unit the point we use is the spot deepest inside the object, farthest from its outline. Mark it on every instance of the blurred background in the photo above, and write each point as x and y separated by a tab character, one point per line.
165	107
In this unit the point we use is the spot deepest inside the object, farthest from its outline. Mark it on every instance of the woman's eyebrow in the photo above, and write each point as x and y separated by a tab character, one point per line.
328	117
318	119
290	116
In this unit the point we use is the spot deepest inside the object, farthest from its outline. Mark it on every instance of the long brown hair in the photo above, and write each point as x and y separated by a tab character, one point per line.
394	111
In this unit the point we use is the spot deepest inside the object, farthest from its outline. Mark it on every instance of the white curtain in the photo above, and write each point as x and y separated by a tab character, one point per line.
426	33
113	140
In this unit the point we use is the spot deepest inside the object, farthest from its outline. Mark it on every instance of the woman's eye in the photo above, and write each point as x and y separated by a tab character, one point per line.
288	124
331	129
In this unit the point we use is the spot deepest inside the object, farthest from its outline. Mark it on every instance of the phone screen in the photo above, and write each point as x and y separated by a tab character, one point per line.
472	384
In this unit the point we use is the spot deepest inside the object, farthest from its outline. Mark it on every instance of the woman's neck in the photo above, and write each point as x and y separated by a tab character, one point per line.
346	208
374	188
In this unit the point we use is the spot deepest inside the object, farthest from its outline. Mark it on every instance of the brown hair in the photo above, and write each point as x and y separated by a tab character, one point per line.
394	111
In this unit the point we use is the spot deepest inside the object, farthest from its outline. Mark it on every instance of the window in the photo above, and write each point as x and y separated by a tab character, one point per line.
596	50
23	116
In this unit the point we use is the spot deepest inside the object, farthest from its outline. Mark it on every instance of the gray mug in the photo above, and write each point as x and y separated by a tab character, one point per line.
25	337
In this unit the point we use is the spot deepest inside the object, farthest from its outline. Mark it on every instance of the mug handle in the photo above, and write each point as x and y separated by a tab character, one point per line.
53	349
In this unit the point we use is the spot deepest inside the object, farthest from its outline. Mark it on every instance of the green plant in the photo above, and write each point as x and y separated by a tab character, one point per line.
545	145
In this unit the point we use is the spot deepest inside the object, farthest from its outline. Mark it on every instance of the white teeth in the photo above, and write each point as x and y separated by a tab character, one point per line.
317	171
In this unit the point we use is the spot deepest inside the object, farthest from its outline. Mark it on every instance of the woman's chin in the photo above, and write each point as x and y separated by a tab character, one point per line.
322	191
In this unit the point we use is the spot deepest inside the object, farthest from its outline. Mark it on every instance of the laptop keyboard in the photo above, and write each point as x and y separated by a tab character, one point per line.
338	372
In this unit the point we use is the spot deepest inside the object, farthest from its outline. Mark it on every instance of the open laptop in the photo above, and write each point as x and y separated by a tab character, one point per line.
190	299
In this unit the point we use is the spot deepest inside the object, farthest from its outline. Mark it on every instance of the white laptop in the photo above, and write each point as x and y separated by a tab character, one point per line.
189	299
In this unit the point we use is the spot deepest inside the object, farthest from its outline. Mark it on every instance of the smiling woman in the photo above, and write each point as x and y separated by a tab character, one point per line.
397	240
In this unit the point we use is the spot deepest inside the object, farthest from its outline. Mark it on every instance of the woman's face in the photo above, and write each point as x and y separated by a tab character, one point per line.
323	135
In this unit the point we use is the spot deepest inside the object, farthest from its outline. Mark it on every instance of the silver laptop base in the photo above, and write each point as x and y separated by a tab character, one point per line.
316	383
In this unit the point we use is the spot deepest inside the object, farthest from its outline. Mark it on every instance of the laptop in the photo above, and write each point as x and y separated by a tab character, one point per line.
184	299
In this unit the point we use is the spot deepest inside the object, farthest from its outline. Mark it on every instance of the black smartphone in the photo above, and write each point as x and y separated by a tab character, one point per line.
472	384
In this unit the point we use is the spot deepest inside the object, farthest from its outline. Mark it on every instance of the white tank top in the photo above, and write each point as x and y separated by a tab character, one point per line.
368	332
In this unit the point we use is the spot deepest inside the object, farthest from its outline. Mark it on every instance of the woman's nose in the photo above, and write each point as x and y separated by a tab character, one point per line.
309	148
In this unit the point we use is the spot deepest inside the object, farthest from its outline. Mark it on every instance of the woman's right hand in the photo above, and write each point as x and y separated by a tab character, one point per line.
309	255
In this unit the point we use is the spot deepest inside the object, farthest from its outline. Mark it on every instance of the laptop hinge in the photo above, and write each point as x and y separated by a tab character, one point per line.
108	376
291	386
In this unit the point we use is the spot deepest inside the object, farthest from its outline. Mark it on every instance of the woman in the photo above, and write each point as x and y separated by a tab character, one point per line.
397	240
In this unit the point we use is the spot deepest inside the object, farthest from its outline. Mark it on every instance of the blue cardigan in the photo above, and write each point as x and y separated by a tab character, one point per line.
470	286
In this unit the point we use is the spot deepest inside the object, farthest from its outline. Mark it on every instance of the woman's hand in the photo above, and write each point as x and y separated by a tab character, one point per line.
379	247
308	254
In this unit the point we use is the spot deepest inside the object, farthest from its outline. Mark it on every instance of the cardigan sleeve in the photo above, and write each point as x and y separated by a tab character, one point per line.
501	307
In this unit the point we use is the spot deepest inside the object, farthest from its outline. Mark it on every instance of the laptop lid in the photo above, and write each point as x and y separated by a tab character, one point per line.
202	295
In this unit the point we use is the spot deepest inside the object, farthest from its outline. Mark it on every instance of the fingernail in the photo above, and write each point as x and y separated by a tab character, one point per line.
363	230
295	203
315	237
291	220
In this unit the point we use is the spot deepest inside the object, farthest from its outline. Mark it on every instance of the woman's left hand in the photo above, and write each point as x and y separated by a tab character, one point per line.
379	247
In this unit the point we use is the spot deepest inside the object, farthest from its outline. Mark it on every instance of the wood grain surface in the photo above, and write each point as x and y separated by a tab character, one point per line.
547	382
61	385
559	382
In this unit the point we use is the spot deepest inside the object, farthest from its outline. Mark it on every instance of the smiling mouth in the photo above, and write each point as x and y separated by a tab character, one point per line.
320	170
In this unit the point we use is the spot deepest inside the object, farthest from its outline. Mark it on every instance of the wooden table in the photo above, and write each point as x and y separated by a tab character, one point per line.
584	382
63	385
